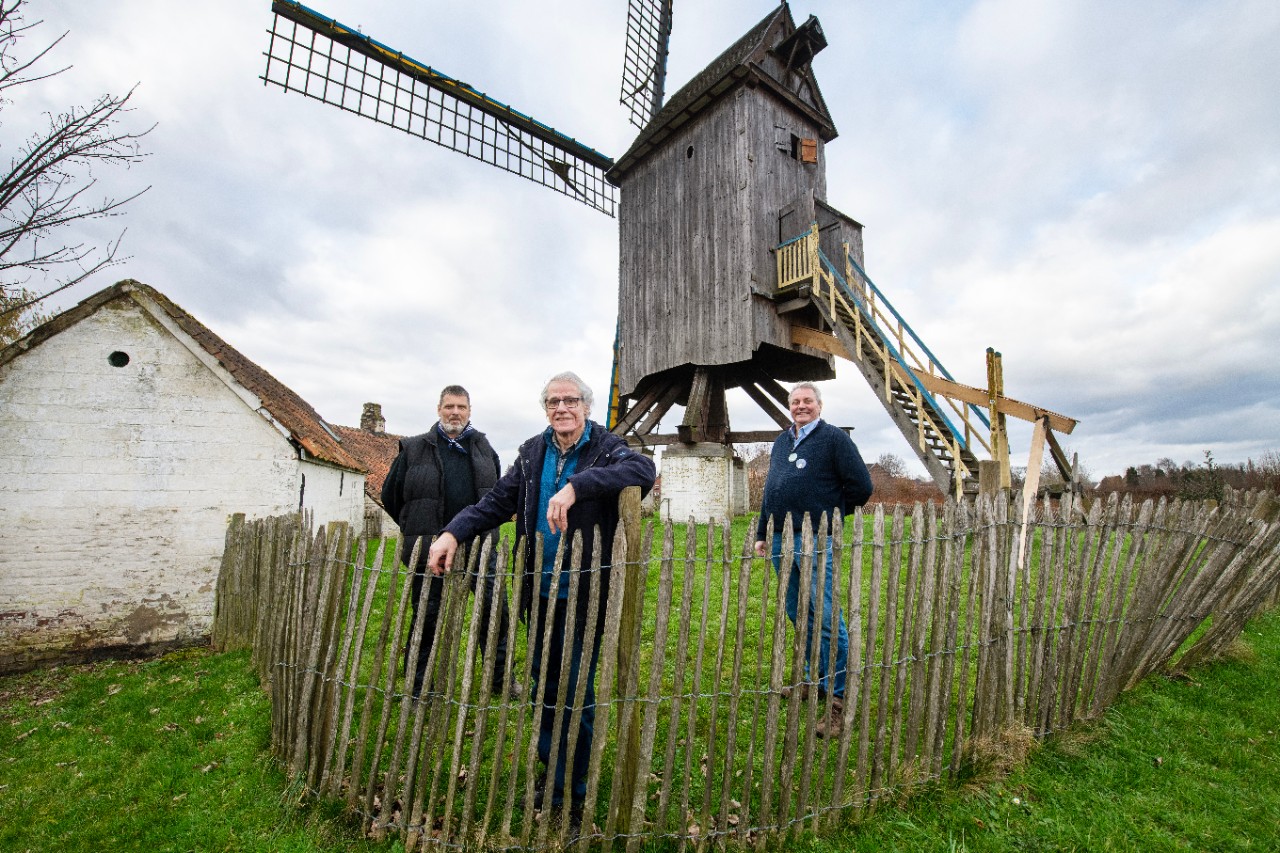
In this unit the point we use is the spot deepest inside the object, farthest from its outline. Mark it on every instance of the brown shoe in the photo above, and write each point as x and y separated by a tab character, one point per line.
836	726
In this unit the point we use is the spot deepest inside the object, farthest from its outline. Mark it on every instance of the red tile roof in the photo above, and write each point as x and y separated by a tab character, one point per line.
374	451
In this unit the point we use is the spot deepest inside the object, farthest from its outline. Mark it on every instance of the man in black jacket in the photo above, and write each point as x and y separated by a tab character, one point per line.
437	475
566	479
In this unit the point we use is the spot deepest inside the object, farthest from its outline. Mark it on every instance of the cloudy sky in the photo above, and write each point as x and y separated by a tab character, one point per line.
1091	187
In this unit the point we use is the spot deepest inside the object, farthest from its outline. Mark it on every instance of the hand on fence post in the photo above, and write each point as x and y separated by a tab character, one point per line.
440	557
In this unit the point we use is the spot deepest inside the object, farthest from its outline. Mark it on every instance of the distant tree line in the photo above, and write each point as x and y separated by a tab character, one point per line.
1205	480
1191	481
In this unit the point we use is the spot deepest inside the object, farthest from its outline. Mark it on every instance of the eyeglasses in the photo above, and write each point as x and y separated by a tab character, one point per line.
553	403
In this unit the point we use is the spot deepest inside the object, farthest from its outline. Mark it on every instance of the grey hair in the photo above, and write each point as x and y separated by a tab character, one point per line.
817	392
569	376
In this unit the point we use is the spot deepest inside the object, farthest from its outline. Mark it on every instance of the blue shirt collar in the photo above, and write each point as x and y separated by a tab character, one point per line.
803	432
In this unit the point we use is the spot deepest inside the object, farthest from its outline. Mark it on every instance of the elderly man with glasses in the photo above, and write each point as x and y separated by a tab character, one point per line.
565	479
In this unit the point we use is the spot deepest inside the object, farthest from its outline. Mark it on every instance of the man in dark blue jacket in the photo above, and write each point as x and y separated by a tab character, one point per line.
565	479
814	468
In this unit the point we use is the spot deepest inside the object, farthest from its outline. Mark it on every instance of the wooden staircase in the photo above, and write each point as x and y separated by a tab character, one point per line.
842	312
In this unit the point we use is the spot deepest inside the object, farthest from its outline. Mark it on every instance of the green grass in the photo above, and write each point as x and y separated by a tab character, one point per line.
172	754
1176	764
167	754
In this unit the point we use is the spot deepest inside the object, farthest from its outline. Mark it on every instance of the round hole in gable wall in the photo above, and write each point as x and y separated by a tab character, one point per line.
118	359
688	153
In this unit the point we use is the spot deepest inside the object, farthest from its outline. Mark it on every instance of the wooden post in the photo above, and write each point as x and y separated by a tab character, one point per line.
999	437
628	651
1032	483
988	477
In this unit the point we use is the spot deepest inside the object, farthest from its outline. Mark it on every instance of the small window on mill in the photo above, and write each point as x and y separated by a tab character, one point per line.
118	359
797	147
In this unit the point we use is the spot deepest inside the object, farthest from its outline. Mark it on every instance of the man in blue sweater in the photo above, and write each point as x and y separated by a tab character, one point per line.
814	468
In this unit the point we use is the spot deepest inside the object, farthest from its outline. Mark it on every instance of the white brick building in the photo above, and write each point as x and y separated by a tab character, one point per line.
130	433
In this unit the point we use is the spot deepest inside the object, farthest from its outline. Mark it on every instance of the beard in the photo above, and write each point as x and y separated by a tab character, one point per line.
453	430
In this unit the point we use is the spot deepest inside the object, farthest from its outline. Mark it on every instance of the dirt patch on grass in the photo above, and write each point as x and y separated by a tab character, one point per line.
18	693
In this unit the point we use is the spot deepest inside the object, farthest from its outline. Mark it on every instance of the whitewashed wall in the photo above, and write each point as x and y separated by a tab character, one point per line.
116	484
333	494
702	481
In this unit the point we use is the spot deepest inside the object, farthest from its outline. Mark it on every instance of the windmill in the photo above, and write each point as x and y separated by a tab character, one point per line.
735	271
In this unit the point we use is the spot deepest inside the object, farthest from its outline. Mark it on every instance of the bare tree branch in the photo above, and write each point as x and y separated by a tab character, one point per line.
50	181
108	260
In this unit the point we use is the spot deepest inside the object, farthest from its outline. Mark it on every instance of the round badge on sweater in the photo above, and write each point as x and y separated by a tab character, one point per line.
791	458
800	463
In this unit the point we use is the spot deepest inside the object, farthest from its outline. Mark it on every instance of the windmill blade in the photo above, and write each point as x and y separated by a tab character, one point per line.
333	63
644	65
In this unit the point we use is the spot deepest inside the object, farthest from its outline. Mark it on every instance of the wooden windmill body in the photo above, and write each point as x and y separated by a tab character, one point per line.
731	166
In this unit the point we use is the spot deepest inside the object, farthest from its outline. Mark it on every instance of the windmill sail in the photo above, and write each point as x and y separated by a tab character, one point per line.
644	65
331	62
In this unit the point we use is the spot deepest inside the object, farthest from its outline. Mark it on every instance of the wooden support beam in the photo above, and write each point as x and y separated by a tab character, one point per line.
641	407
780	417
1059	457
792	305
706	417
829	344
944	387
1005	405
664	404
771	387
731	437
751	436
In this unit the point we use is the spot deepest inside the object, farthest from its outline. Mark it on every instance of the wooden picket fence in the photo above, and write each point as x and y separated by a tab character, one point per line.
973	628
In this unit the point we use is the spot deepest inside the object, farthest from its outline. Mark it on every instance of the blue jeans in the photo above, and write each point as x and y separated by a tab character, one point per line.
831	615
546	686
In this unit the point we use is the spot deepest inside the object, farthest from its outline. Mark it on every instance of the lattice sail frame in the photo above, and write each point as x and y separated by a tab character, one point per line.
644	62
323	59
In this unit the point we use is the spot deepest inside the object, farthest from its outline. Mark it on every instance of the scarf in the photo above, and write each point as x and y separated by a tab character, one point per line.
455	443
